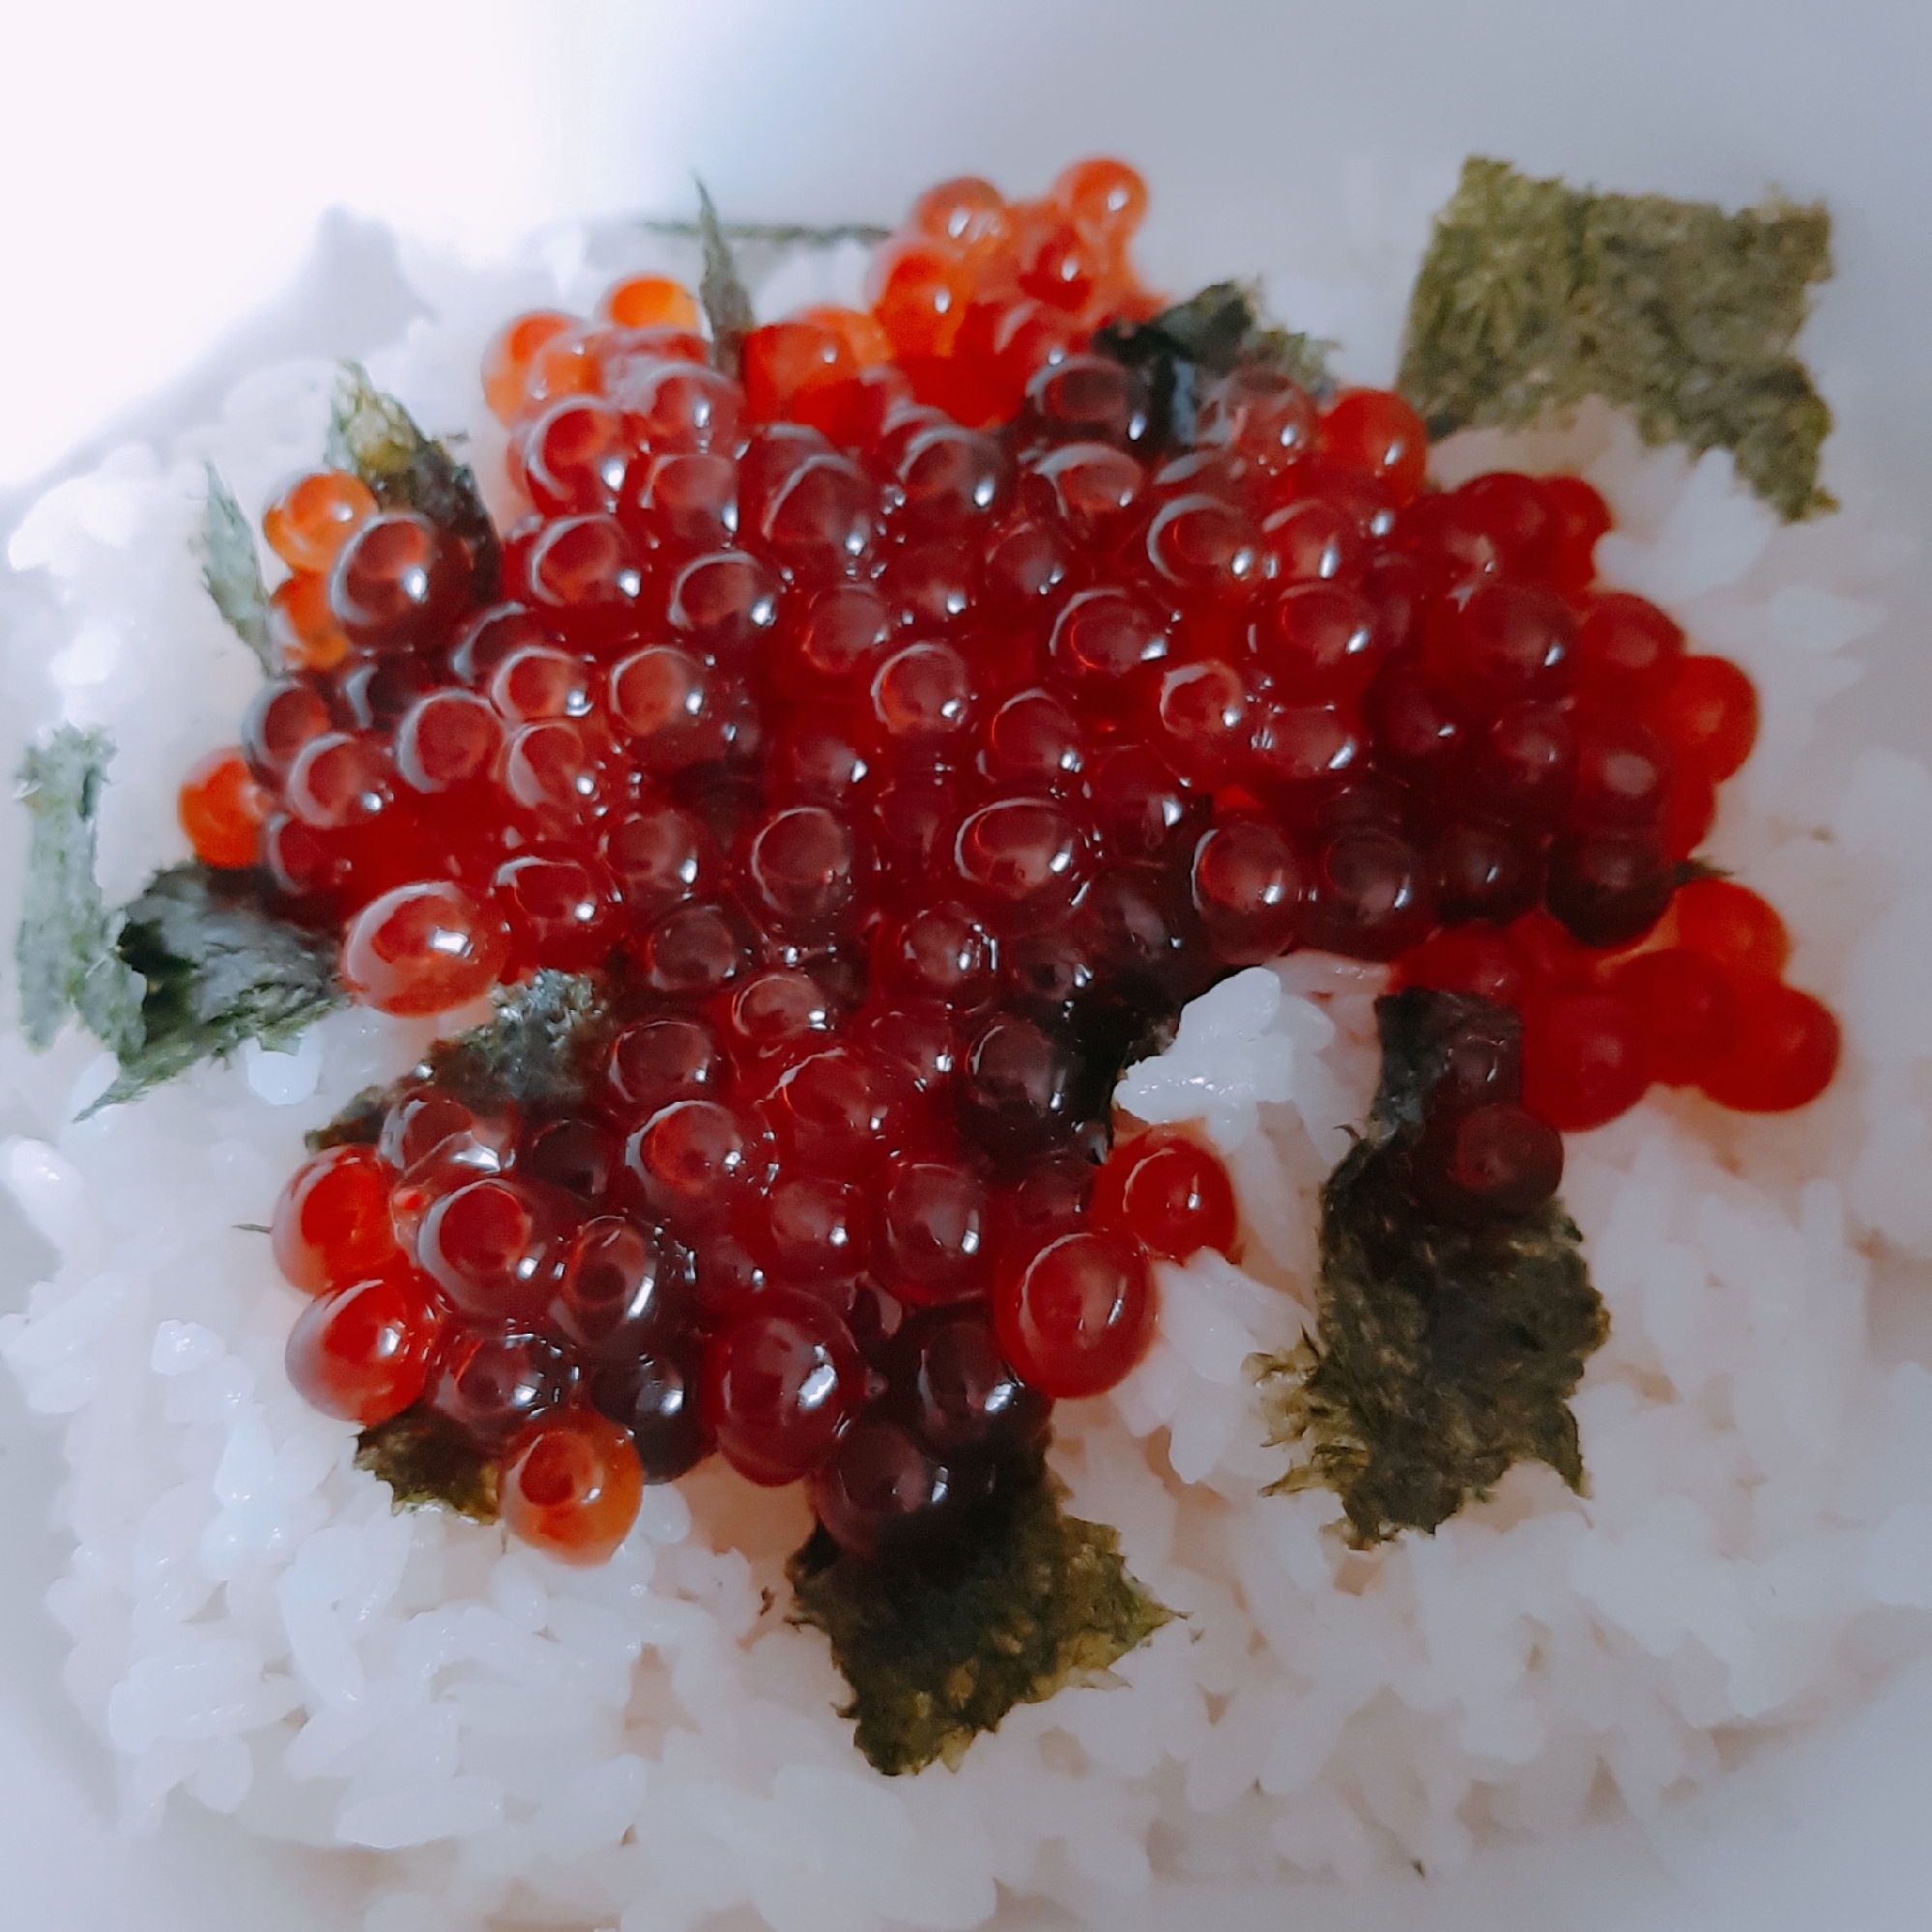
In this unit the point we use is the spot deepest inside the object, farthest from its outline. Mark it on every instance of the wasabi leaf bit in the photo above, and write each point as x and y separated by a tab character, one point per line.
1209	335
1446	1348
65	947
374	436
232	571
722	291
219	968
1534	295
937	1653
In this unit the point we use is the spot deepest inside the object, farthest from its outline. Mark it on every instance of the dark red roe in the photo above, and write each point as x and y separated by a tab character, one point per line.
906	732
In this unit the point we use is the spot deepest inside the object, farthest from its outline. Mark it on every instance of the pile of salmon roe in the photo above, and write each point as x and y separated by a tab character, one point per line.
911	739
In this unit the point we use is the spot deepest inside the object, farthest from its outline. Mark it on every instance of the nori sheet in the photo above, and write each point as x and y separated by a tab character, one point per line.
1445	1350
1534	295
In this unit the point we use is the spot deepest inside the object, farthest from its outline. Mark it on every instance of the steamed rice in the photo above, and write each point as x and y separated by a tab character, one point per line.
651	1745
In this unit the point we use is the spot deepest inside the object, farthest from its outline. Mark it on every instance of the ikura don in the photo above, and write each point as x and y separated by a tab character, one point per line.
906	725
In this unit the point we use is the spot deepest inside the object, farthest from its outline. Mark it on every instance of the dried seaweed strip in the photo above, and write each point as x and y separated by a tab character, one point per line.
1535	295
65	946
1444	1351
936	1654
722	290
426	1460
1210	334
220	966
373	435
539	1050
231	570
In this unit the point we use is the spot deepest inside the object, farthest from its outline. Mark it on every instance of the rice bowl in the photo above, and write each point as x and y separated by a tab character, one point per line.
1775	1610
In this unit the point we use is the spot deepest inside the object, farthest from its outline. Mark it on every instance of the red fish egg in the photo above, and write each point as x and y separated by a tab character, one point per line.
222	811
654	1063
490	1247
779	1386
446	740
1708	714
571	1486
935	1241
654	1397
1168	1192
491	1381
1687	1011
1020	854
1248	888
1375	434
616	1285
361	1351
303	630
880	1492
332	1221
1584	1061
694	1159
399	583
1729	925
649	302
309	522
425	949
1783	1053
1502	1159
1074	1316
508	359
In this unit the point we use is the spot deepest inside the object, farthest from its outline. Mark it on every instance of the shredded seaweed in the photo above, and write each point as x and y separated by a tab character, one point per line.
776	234
936	1654
1534	295
427	1459
1210	334
540	1051
232	571
373	435
65	945
1445	1351
221	967
722	290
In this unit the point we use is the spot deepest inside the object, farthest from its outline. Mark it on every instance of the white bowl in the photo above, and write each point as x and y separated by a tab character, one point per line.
1307	142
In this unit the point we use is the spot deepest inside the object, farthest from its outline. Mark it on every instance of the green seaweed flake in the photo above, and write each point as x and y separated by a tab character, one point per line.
373	435
776	234
1037	1600
1535	295
540	1048
232	571
221	967
1210	334
65	946
722	290
427	1461
1444	1352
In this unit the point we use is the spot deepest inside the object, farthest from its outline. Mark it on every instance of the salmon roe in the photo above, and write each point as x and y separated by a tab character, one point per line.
910	733
571	1486
649	302
307	525
222	809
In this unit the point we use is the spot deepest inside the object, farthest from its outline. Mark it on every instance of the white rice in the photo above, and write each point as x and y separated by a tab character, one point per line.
651	1745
